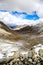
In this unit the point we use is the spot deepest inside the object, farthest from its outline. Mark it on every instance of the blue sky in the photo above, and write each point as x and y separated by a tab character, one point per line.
13	18
24	15
32	16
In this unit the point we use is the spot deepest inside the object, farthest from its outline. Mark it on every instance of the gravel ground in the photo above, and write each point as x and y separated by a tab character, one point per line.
33	56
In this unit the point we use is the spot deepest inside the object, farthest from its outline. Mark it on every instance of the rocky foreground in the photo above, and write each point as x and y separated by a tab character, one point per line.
15	54
20	47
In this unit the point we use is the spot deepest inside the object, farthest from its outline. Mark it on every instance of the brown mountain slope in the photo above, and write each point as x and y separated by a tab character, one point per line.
21	35
24	29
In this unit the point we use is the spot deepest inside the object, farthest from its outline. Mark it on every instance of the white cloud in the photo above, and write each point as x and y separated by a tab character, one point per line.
10	19
23	5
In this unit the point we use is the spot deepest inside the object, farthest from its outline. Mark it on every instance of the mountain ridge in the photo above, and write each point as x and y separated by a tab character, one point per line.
29	39
23	29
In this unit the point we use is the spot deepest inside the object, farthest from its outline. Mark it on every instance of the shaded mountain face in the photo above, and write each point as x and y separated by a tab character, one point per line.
22	29
29	29
7	33
3	27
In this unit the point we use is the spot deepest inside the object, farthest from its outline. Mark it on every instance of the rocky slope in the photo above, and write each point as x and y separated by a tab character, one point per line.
27	34
15	41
